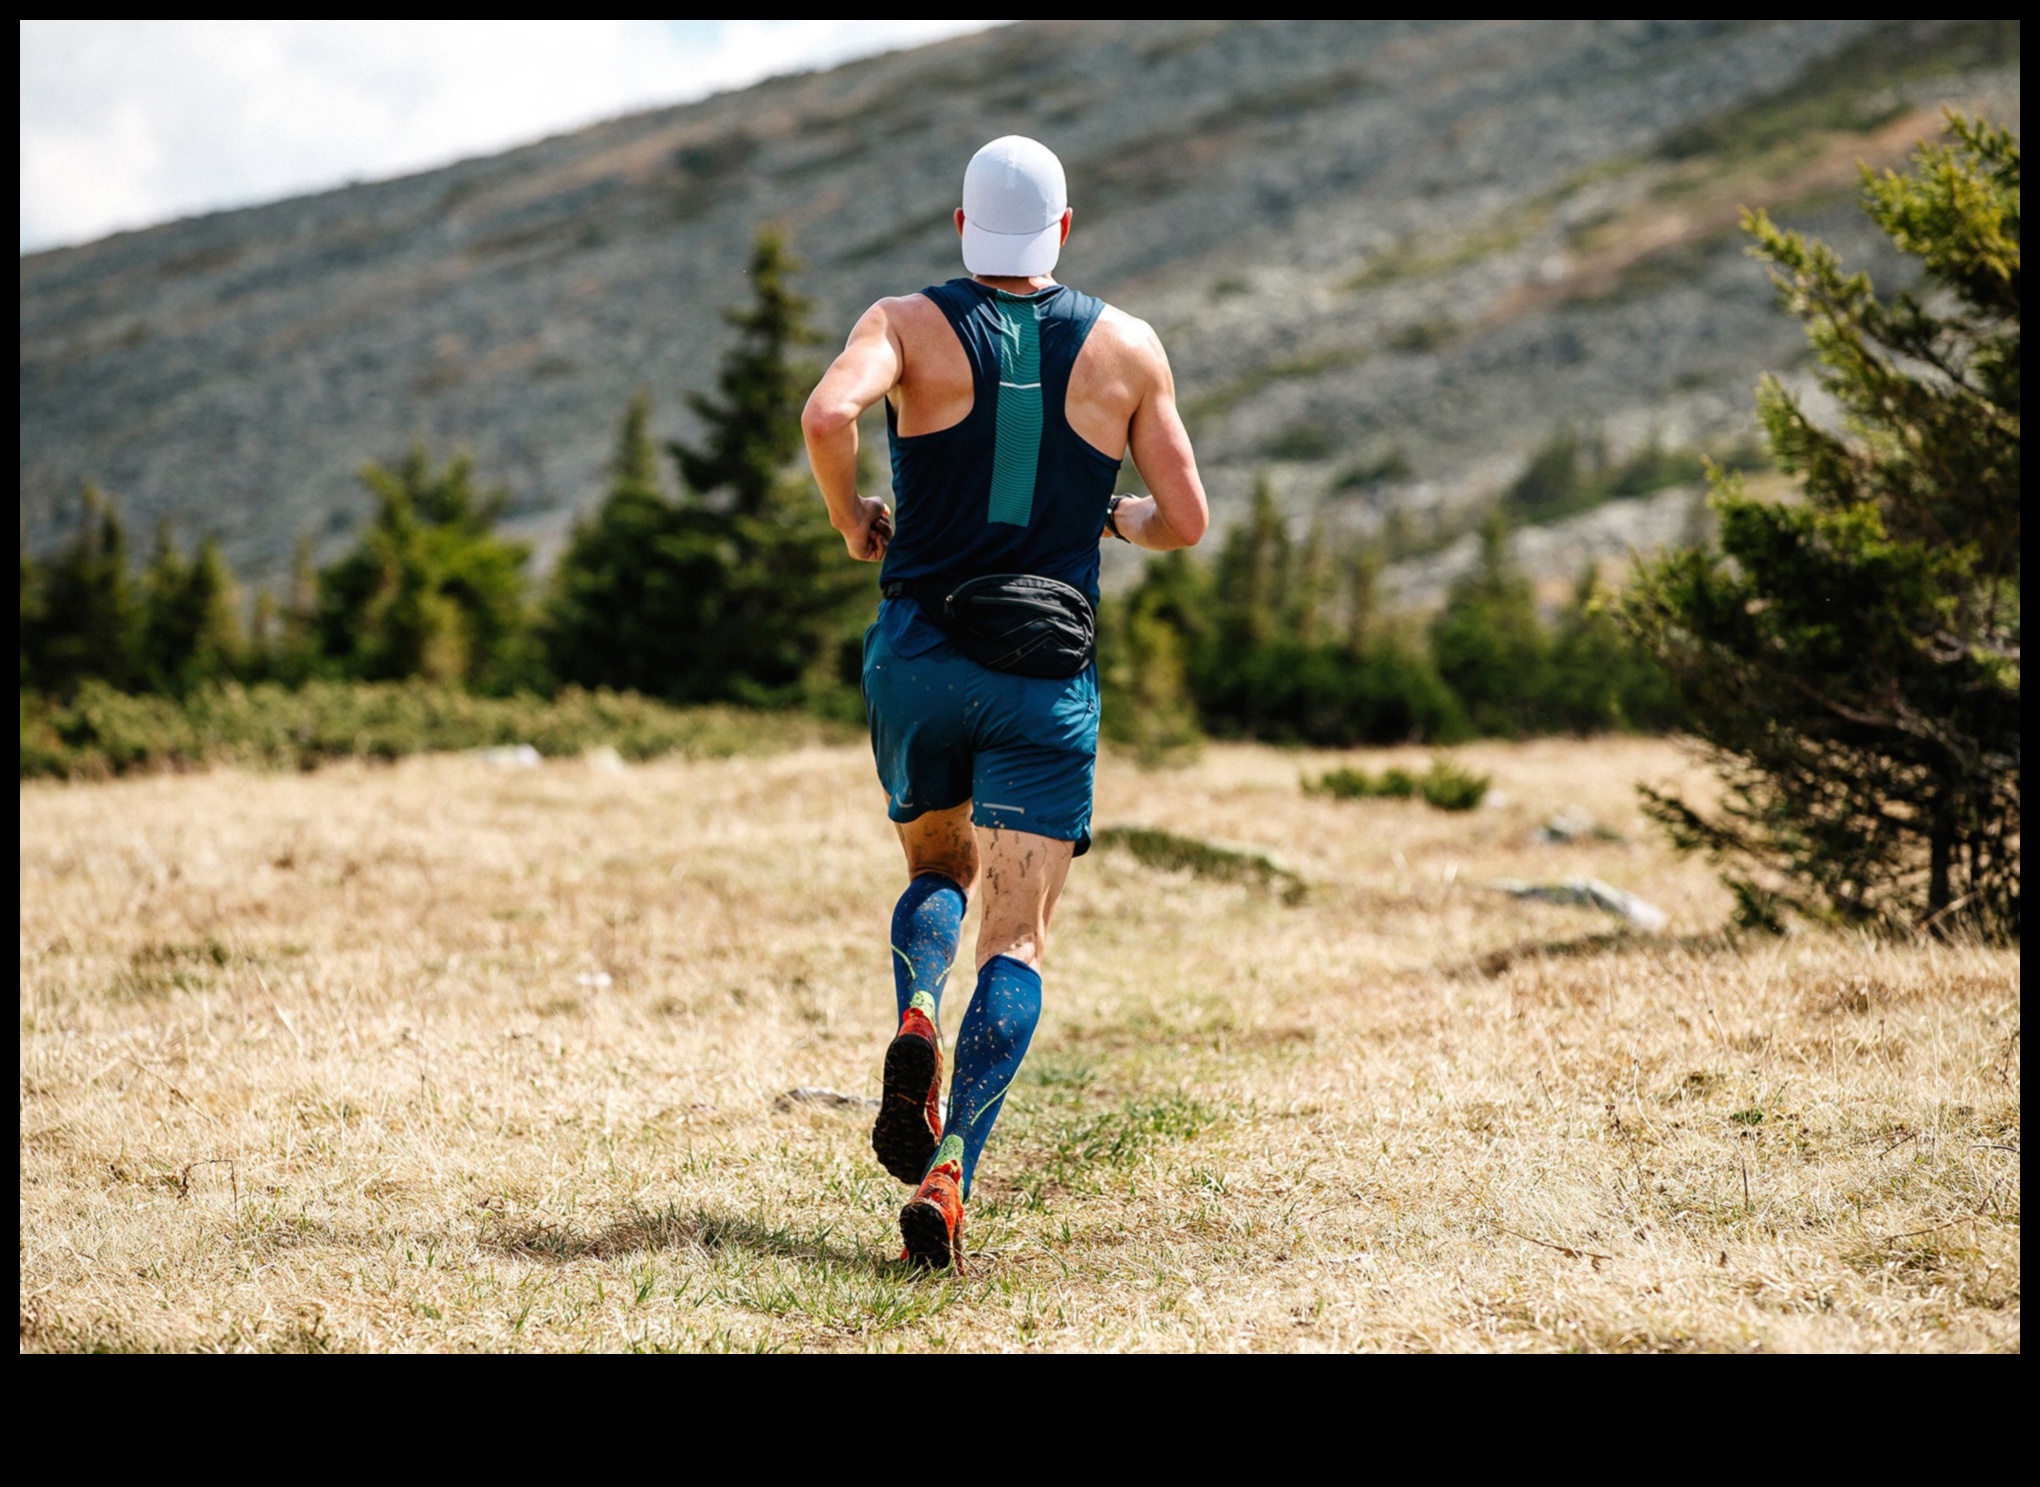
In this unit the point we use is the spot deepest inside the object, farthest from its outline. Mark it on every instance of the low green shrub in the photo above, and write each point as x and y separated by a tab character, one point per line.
1450	788
1444	785
1358	784
103	732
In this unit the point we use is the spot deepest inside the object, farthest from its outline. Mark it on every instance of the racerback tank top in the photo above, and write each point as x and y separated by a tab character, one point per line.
1011	487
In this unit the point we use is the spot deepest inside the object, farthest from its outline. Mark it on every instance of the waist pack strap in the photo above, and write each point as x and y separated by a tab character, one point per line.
1012	622
935	594
929	593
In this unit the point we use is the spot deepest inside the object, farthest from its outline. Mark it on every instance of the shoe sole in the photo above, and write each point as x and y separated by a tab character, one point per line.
926	1233
900	1136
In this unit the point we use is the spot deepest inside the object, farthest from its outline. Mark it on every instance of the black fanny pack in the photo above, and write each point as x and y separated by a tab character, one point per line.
1012	622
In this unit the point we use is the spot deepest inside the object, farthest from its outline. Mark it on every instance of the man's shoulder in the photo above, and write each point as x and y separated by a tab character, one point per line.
1131	341
1121	326
900	318
907	309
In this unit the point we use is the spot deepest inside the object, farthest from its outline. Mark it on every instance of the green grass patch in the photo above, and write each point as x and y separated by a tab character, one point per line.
1172	853
1080	1148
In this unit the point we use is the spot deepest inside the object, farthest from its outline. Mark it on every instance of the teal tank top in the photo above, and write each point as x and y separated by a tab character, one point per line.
1011	488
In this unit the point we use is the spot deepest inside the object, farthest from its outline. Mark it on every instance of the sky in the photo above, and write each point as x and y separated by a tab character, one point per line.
129	123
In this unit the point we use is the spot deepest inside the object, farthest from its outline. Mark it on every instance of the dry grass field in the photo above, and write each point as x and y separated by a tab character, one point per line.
445	1056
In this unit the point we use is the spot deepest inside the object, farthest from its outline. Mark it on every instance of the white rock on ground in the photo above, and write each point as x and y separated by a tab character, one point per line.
1590	893
511	756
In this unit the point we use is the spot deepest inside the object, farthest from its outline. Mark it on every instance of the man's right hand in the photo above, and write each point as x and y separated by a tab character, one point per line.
870	532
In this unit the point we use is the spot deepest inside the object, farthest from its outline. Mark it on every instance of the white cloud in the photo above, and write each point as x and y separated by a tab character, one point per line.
126	123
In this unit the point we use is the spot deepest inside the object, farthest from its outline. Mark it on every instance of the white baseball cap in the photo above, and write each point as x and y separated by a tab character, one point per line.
1014	196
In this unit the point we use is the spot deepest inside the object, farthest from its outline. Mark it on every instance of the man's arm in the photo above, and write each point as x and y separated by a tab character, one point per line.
1176	515
867	370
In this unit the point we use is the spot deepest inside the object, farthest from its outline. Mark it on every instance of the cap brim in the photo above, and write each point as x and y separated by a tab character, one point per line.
1019	255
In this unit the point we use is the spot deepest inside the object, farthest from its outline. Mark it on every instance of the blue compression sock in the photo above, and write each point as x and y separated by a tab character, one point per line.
989	1046
927	922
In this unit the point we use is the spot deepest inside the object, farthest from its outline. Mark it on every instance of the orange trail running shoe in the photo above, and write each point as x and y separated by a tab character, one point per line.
909	1124
932	1222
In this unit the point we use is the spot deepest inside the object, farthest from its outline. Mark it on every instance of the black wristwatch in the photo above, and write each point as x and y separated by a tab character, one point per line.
1112	517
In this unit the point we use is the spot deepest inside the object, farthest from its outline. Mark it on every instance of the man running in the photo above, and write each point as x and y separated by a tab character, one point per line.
1010	401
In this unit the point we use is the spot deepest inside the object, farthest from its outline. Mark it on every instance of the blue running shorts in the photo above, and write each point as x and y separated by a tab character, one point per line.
1023	750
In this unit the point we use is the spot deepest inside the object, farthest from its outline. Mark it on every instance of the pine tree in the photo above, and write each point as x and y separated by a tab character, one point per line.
431	591
1599	677
162	588
300	650
283	639
637	581
775	604
1852	659
753	420
736	590
1490	646
1240	668
1363	584
1312	596
191	624
265	637
1145	641
82	620
1253	575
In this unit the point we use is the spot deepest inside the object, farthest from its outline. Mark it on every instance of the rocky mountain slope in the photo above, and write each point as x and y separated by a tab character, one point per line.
1388	258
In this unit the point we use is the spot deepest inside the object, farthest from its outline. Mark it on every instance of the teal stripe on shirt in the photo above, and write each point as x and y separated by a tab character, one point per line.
1016	448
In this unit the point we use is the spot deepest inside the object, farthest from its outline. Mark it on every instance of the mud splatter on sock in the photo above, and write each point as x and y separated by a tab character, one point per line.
926	925
997	1028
